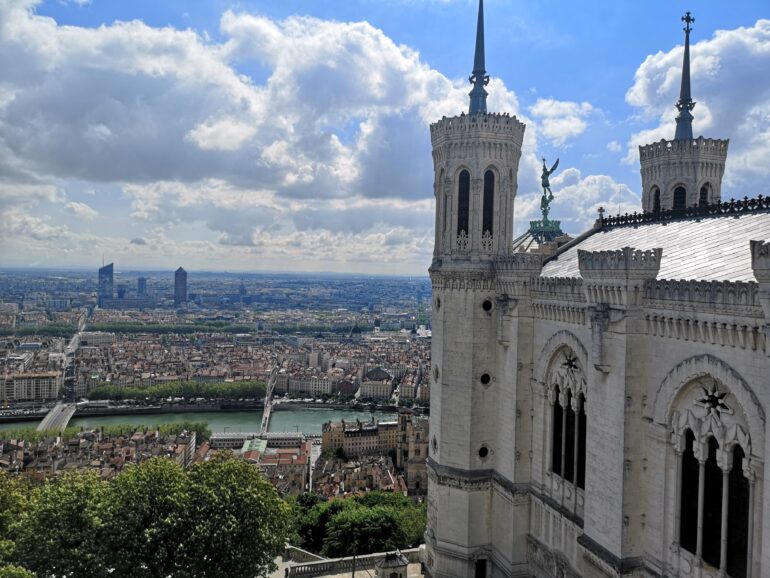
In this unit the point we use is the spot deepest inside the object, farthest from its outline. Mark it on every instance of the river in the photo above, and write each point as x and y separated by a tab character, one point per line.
306	420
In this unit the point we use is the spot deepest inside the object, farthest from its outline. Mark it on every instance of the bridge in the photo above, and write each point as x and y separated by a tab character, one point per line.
268	401
59	416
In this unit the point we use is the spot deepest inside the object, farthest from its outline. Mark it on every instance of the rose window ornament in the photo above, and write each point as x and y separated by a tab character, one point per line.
713	401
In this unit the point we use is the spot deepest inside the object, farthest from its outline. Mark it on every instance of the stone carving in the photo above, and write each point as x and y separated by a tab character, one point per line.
714	401
721	293
684	414
487	242
462	241
627	261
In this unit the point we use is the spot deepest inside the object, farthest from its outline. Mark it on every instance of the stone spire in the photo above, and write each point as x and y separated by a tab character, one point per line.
479	78
685	103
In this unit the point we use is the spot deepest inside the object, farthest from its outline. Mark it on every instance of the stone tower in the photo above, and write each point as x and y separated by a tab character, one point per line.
476	158
683	172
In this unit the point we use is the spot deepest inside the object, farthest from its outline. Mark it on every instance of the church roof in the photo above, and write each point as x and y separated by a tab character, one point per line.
703	247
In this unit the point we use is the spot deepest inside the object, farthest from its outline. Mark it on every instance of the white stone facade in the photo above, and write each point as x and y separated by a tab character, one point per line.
641	364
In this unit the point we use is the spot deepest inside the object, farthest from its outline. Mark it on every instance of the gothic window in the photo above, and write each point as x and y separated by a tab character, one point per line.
556	422
489	202
738	518
569	441
714	495
712	506
655	200
463	201
680	199
481	568
689	500
703	199
581	462
568	425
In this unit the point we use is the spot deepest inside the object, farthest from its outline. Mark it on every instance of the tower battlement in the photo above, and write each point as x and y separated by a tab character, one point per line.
477	126
696	148
627	262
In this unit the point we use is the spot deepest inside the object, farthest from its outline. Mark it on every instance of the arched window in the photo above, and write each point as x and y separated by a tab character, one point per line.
655	200
489	203
738	517
703	198
463	201
712	506
556	421
581	461
688	504
569	442
680	199
715	487
568	427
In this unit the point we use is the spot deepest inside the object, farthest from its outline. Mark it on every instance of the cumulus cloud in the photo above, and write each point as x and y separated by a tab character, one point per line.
324	164
614	146
577	199
561	120
81	210
731	87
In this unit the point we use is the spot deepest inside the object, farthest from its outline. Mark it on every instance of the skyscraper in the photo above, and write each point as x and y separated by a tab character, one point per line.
180	286
141	286
105	283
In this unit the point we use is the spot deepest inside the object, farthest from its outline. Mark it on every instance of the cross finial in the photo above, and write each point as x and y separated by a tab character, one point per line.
479	78
685	103
601	213
687	19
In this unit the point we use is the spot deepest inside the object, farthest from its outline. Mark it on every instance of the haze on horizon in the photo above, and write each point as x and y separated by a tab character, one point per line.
248	136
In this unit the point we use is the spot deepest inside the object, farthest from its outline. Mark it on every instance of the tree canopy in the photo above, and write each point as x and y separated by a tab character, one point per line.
373	522
155	519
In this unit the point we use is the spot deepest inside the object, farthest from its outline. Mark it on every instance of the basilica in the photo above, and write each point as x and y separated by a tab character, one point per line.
597	408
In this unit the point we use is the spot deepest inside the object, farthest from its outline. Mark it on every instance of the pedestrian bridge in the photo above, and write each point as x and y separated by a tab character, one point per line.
58	418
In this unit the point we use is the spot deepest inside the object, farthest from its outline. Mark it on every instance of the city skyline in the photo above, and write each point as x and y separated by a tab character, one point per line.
246	136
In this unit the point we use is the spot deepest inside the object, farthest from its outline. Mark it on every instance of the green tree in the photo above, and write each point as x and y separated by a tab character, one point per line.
235	523
143	534
14	499
15	572
59	533
362	530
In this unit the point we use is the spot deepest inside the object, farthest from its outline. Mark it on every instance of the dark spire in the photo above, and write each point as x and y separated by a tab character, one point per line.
479	78
685	103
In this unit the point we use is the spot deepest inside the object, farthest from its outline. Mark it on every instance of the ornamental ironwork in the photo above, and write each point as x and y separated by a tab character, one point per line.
719	209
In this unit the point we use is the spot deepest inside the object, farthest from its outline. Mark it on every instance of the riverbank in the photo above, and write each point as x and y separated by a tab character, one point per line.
307	420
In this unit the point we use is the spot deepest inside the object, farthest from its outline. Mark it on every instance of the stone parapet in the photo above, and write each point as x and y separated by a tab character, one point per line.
717	293
477	126
760	263
559	288
695	148
626	263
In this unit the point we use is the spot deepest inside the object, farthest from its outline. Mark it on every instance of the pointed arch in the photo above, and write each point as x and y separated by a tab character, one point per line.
463	201
558	341
680	198
689	370
488	213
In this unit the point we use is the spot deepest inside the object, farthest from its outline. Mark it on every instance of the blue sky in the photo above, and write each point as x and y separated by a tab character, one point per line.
293	135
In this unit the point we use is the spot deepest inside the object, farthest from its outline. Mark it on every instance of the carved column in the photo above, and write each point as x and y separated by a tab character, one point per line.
678	440
725	462
701	452
760	263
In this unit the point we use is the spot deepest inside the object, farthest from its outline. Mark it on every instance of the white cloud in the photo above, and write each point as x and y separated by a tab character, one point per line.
577	199
81	210
614	146
561	120
731	88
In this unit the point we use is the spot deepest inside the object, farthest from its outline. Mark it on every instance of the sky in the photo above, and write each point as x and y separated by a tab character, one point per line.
293	135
